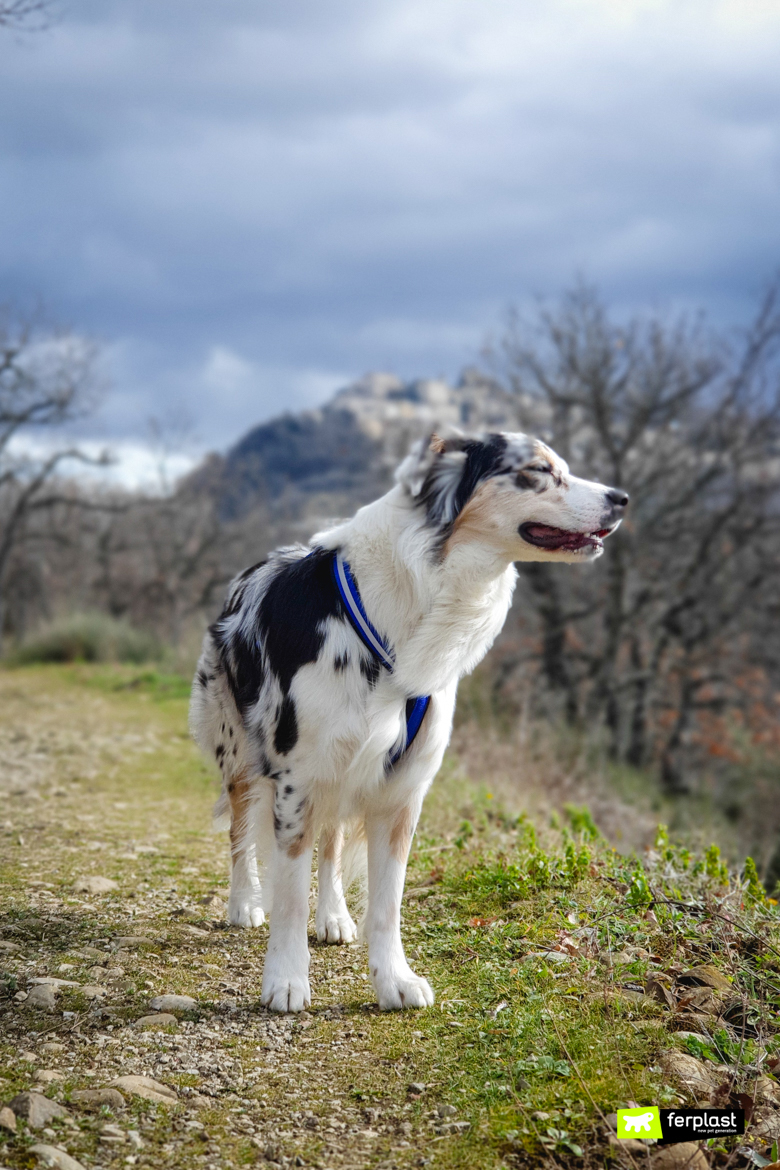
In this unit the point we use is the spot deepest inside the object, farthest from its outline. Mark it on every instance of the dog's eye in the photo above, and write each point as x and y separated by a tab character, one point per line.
544	468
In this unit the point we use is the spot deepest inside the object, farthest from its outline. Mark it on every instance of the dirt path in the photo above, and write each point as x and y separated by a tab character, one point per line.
102	783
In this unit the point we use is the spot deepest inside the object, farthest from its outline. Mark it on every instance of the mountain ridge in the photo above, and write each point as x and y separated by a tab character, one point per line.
344	452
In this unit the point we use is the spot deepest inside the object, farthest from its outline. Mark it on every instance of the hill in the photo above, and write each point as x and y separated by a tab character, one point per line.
344	453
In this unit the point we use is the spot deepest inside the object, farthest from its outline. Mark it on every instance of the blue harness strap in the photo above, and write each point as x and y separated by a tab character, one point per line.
348	591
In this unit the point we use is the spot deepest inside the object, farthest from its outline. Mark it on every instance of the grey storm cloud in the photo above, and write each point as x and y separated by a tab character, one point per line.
252	202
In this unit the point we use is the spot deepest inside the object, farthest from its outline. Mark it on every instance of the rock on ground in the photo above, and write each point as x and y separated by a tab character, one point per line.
51	1156
42	996
8	1119
36	1109
690	1072
94	885
173	1003
158	1020
146	1087
683	1156
95	1098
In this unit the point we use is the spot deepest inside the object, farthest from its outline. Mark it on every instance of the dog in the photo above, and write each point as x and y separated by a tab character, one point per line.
325	690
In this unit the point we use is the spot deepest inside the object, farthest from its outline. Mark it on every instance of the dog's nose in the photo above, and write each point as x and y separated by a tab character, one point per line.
617	497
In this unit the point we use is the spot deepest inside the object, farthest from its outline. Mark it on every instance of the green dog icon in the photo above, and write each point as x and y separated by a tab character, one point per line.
645	1122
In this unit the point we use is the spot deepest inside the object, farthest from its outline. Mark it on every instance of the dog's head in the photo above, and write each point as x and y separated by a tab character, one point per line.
512	492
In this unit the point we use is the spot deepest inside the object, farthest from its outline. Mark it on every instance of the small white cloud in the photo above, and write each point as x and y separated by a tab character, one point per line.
226	371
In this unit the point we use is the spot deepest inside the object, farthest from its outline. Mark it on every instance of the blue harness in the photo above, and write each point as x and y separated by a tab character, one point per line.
348	591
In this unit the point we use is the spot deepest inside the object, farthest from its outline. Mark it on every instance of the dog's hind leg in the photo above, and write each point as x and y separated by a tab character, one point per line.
249	798
389	836
332	919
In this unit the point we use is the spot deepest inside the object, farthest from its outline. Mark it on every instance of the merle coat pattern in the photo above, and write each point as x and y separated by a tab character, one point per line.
302	719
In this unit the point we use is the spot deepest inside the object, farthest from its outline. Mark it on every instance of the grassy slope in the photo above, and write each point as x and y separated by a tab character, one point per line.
530	1051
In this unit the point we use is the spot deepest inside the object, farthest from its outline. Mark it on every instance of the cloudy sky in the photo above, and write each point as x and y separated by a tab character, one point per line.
250	203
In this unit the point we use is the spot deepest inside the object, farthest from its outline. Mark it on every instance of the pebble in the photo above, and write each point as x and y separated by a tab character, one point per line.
767	1090
416	1088
52	1156
8	948
212	902
50	981
41	997
112	1135
705	976
45	1076
682	1156
8	1119
548	956
94	885
91	953
147	1088
36	1109
172	1003
446	1110
158	1020
95	1098
689	1071
129	942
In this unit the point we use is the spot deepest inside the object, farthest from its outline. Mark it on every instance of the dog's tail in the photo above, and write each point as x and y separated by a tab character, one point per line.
354	871
220	814
354	867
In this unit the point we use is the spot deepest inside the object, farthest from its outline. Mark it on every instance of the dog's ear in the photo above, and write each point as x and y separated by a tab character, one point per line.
424	455
432	471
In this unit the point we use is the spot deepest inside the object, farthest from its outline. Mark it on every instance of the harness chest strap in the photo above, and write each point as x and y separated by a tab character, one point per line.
348	591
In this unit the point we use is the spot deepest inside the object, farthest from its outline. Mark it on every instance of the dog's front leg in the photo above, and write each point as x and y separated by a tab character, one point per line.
286	969
389	837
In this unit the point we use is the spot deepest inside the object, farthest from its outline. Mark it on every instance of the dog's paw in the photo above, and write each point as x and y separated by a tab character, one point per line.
282	993
335	927
244	909
403	991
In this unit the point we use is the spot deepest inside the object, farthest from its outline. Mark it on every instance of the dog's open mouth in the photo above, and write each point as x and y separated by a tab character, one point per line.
559	540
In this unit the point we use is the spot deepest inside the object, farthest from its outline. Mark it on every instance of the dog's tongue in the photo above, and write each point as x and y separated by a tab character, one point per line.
547	537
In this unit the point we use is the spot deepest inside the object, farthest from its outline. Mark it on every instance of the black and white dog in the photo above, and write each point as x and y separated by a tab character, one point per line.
326	688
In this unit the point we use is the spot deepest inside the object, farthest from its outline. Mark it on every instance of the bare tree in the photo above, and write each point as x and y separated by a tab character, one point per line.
691	428
25	14
47	379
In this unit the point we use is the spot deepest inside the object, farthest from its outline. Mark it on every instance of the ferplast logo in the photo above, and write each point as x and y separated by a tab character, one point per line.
678	1125
644	1122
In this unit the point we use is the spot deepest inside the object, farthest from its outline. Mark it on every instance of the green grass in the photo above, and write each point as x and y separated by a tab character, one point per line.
540	1048
540	941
